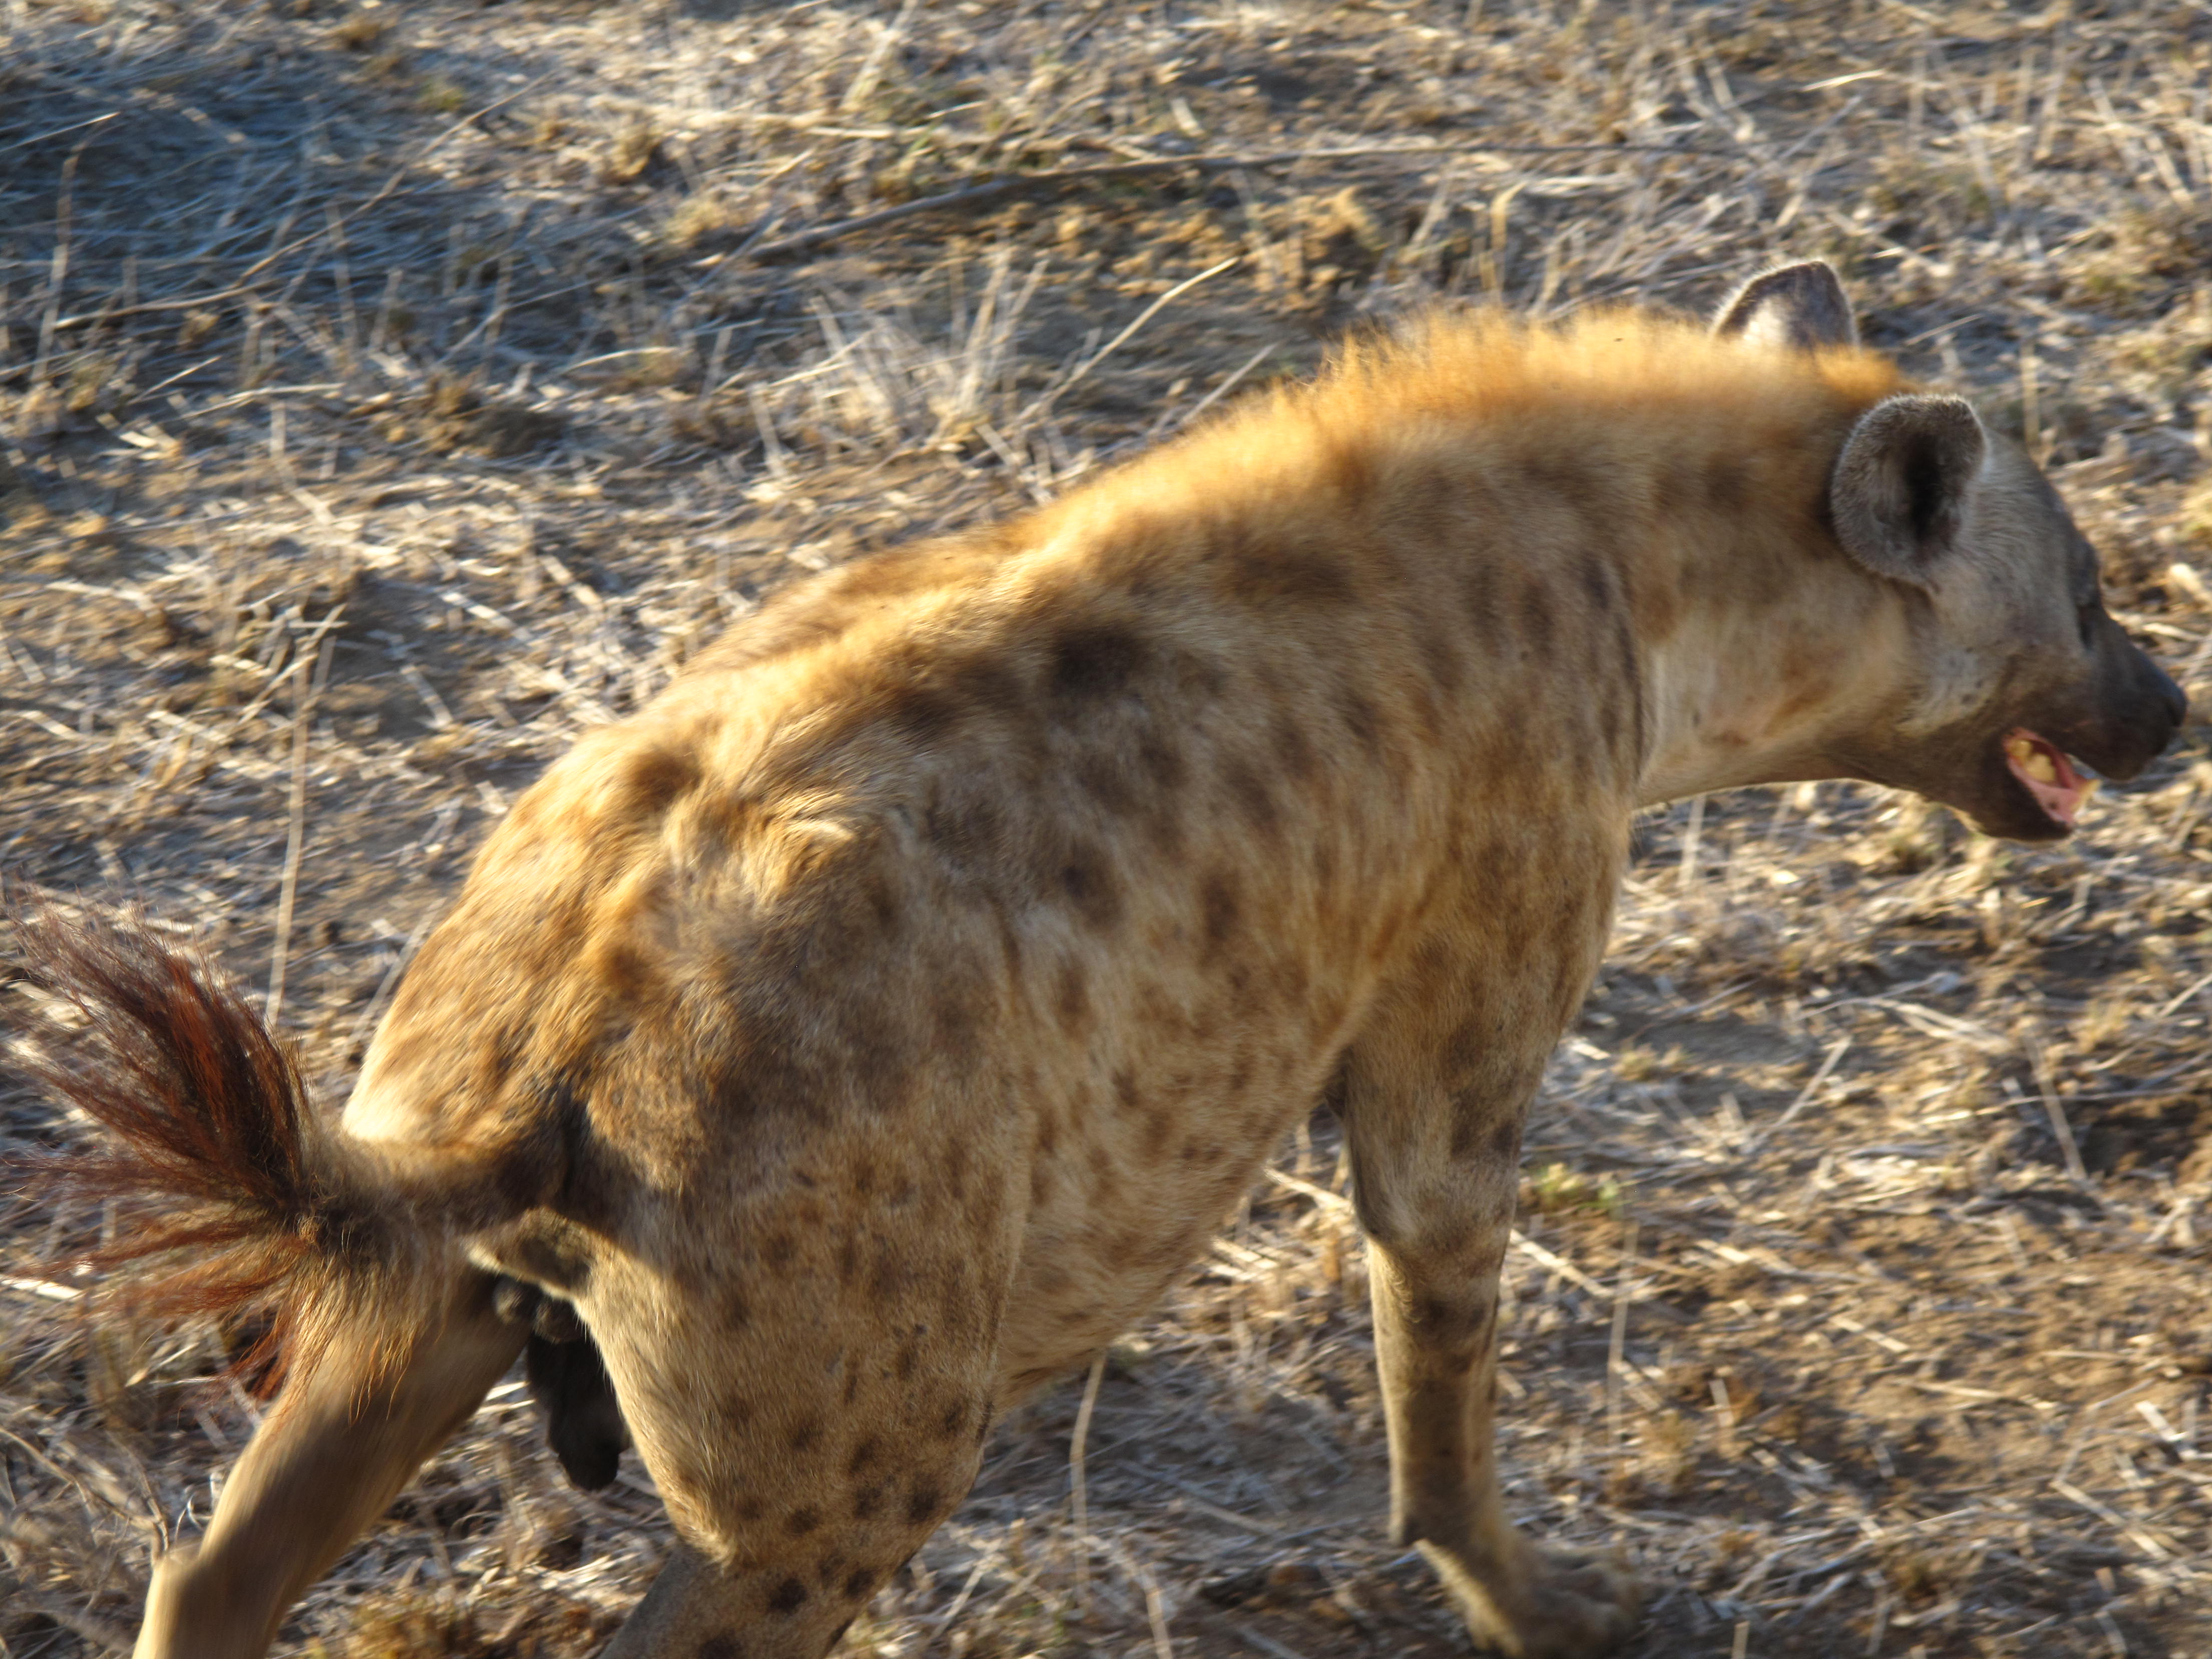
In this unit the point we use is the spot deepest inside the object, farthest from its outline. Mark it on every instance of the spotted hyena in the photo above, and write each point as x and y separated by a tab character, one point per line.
869	1029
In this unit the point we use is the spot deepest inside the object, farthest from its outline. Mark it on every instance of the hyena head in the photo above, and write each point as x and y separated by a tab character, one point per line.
2013	670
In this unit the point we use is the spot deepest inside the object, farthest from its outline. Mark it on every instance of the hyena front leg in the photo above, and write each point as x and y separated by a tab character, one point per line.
1434	1160
1435	1346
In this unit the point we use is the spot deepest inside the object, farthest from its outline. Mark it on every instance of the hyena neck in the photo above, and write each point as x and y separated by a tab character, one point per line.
1770	647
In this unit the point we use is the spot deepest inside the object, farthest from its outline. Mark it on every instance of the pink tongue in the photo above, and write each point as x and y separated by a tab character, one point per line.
2061	798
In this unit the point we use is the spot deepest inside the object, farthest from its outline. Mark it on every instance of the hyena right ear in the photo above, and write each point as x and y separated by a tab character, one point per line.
1898	497
1802	307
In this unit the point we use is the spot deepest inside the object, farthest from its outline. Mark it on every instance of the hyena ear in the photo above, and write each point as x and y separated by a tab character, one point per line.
1898	494
1802	307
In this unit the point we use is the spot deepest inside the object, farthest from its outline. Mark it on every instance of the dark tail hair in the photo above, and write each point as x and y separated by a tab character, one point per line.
236	1193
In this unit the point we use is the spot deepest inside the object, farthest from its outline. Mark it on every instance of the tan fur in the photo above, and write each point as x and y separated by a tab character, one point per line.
913	984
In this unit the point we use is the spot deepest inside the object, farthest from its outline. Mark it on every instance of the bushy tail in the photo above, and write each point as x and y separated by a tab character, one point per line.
235	1193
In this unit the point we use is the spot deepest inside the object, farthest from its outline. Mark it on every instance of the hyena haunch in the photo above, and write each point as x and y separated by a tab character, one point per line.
869	1029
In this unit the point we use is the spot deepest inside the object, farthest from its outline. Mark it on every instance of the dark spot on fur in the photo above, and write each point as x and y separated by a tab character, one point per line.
1217	898
986	682
922	712
1560	472
954	1007
1090	887
863	1455
956	1418
867	1501
788	1597
926	1501
1472	1135
1595	583
1254	799
1095	659
1125	1090
859	1580
778	1250
800	1522
1728	484
1675	489
931	696
1294	751
1505	1141
1348	468
1258	572
883	901
806	1436
721	1647
1324	865
1359	718
893	1275
965	830
1481	1318
624	971
903	1362
656	778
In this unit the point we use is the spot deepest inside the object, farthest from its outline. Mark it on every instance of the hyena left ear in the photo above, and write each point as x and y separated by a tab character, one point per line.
1898	497
1802	307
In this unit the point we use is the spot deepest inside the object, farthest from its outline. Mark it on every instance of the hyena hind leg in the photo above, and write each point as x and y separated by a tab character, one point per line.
349	1431
802	1460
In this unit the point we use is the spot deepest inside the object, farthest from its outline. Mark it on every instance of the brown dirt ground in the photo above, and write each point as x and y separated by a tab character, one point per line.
406	377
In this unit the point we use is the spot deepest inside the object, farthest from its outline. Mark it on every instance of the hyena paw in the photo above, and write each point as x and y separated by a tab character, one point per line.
1554	1604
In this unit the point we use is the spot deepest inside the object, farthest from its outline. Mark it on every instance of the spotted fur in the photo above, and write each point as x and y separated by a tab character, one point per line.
874	1025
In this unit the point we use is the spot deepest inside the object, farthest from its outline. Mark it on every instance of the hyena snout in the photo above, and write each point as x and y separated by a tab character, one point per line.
2114	721
2129	712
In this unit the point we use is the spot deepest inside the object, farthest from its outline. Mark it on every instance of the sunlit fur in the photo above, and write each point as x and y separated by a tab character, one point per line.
870	1028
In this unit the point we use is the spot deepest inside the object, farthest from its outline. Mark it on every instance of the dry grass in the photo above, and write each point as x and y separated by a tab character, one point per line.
1862	1296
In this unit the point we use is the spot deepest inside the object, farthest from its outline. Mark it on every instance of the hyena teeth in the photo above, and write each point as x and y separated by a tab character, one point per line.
2031	759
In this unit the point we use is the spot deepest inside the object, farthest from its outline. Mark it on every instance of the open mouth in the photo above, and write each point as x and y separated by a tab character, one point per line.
2042	766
